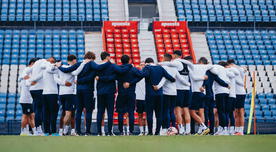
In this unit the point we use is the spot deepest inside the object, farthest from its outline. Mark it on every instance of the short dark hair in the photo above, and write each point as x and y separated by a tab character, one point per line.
32	60
71	57
177	52
222	63
168	56
89	55
149	60
188	58
125	59
231	61
104	55
203	60
53	58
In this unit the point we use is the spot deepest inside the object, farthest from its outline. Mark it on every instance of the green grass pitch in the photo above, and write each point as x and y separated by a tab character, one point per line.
259	143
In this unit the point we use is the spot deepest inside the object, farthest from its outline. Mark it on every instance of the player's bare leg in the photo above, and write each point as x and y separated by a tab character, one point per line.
179	119
187	120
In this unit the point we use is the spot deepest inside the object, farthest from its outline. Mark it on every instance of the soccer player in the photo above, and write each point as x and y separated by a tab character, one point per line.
169	95
141	105
198	75
221	97
106	88
126	96
50	98
66	93
240	98
209	108
183	91
85	88
154	98
26	101
36	90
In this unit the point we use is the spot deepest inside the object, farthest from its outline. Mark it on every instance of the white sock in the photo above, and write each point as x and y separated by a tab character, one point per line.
241	129
141	129
65	130
73	130
127	128
188	128
22	130
180	126
146	129
102	129
60	130
34	130
203	126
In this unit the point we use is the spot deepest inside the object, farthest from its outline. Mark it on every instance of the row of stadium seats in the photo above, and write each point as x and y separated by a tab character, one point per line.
54	10
170	38
19	46
122	40
247	47
226	10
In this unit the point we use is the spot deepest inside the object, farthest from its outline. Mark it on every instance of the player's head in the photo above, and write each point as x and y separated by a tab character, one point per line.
125	59
231	61
142	64
167	57
149	60
177	54
71	59
51	59
89	55
202	60
32	61
189	58
222	63
105	56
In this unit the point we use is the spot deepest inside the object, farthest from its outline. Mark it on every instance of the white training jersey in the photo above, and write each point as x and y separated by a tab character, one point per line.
222	74
197	76
179	66
50	85
232	77
25	95
140	90
240	90
61	78
169	88
37	74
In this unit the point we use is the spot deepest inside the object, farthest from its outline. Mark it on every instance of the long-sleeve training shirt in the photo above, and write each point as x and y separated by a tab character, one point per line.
178	64
37	74
25	95
169	88
223	74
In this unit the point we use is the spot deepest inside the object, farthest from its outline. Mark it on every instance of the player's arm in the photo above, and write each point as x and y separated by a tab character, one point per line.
70	69
168	76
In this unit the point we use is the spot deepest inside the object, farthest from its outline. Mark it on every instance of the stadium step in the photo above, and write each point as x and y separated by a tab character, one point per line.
166	10
200	46
94	43
118	10
146	45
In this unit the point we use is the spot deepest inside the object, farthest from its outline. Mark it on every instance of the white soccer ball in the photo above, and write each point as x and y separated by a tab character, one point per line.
172	131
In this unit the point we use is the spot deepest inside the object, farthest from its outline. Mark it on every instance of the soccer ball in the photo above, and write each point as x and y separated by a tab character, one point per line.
172	131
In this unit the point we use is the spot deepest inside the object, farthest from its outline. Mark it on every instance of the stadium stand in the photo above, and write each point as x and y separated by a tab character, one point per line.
121	38
248	47
54	10
170	36
226	10
19	46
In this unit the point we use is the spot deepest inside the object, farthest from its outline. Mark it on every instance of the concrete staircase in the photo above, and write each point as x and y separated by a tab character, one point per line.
200	46
166	10
94	43
118	10
147	45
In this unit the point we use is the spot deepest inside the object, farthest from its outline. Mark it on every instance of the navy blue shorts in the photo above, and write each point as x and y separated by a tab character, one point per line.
27	108
230	104
68	102
125	103
197	101
140	106
240	99
183	98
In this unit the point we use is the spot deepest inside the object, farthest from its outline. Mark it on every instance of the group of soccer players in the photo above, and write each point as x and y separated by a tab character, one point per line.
196	98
